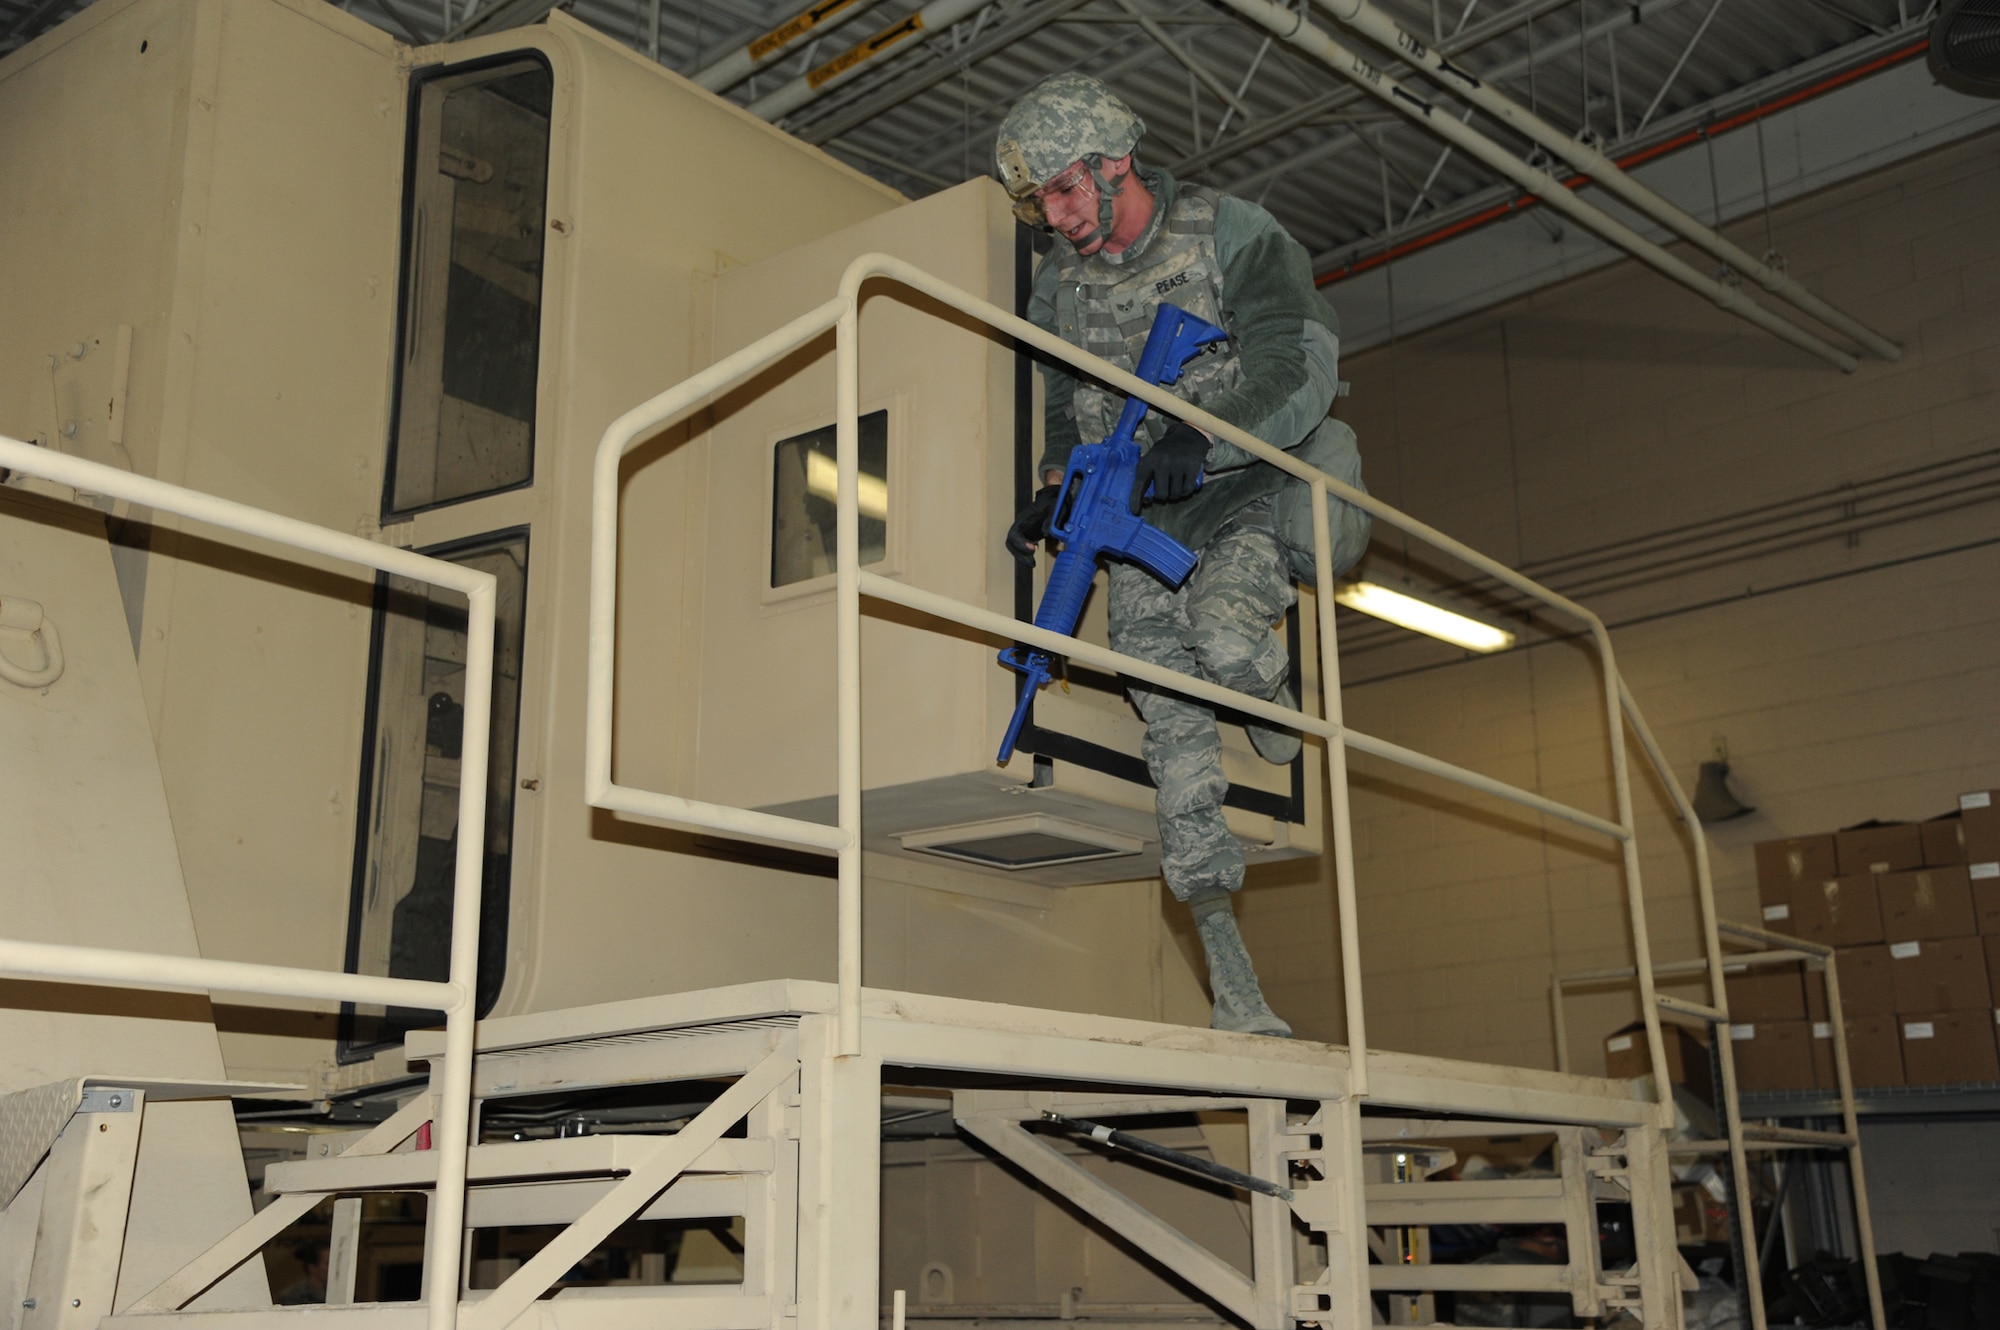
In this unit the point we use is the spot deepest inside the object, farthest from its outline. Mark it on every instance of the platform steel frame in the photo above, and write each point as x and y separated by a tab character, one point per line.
804	1174
844	1072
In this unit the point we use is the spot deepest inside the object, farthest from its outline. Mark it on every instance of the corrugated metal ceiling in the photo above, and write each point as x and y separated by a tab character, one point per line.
1341	172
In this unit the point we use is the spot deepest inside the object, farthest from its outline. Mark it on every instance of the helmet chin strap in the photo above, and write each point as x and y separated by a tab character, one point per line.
1104	211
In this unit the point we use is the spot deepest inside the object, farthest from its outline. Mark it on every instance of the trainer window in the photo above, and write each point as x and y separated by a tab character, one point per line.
464	422
804	481
399	923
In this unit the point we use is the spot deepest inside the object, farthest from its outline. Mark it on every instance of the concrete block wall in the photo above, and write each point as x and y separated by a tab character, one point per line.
1852	677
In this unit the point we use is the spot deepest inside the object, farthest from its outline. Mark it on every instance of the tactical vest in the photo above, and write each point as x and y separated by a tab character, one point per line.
1107	309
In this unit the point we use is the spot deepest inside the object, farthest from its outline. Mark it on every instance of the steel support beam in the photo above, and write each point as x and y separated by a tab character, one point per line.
1158	1239
1164	40
904	34
1586	159
921	81
816	20
500	1308
185	1284
1314	107
1289	27
1666	84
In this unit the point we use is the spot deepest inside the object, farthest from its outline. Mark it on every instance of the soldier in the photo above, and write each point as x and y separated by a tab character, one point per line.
1131	236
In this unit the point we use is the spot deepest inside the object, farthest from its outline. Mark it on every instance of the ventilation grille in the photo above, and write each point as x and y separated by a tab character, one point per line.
1034	840
1965	46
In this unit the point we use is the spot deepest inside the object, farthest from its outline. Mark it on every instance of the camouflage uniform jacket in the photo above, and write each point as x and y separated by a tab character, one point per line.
1227	261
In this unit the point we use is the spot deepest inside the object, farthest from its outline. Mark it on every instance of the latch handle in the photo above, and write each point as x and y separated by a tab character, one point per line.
23	618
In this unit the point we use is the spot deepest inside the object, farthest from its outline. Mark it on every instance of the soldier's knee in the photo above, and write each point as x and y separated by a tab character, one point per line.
1248	662
1187	785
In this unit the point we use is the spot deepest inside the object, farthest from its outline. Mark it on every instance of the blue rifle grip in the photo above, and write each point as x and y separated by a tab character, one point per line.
1100	476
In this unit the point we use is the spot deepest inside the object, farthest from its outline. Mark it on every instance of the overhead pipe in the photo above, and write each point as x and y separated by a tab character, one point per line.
919	27
1293	28
815	20
1310	110
1588	160
1438	235
860	111
1449	49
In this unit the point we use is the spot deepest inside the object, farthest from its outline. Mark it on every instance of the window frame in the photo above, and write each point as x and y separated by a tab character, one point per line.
406	274
895	534
347	1050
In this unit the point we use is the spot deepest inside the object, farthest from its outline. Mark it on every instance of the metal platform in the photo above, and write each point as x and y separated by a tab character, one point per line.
804	1174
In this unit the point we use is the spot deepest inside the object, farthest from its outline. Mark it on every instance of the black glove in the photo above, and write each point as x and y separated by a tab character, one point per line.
1172	466
1031	526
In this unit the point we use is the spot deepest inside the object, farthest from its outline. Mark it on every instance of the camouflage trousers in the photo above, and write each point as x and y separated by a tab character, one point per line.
1219	626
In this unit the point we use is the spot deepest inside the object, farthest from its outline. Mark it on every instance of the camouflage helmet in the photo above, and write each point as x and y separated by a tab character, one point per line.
1059	121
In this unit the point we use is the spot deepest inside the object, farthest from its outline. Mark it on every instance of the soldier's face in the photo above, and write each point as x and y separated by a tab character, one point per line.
1070	202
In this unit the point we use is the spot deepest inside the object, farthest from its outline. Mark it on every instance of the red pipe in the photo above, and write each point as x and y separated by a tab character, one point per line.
1521	202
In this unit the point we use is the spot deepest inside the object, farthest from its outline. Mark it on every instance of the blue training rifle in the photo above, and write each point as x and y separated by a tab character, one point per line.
1093	516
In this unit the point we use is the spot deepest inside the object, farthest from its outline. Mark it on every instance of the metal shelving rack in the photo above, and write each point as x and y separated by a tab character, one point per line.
1740	1137
1975	1100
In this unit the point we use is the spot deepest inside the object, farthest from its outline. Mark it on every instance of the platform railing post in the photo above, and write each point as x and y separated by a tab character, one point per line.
444	1223
847	666
1718	998
1342	829
1635	894
1558	1020
1864	1226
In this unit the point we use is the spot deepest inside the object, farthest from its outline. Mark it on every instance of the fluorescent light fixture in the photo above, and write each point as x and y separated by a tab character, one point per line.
823	479
1423	616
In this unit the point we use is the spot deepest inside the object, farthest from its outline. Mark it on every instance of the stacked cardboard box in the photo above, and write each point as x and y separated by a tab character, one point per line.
1782	864
1625	1056
1913	911
1770	1037
1932	921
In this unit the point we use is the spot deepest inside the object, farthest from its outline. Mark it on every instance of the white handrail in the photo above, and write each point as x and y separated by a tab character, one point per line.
841	314
642	421
30	960
844	839
198	974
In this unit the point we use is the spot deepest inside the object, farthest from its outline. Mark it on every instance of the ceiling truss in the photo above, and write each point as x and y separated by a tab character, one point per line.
917	87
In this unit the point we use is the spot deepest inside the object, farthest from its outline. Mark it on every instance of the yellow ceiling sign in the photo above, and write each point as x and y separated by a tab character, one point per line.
798	26
874	46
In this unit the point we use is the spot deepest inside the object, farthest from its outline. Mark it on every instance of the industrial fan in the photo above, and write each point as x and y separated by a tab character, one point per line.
1965	46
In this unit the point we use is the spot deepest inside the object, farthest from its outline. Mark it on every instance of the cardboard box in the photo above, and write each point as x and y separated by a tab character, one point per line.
1867	988
1777	917
1687	1057
1950	1048
1781	863
1986	903
1698	1216
1944	841
1874	1052
1992	944
1839	911
1929	903
1819	1042
1878	847
1979	819
1985	881
1764	993
1946	974
1772	1055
